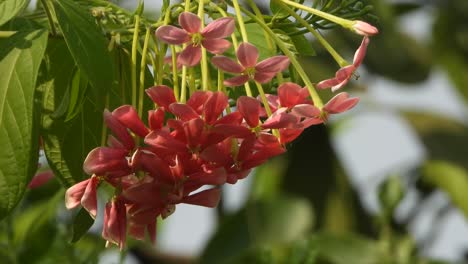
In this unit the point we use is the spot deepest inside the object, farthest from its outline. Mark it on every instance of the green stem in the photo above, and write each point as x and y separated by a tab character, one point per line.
142	71
240	20
50	18
259	15
175	75
183	93
342	62
338	20
204	59
134	59
221	81
313	93
264	99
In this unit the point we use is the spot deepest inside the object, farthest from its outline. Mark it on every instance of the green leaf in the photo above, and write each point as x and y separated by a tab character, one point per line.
303	46
280	220
20	57
10	8
87	45
450	178
346	249
81	224
277	11
66	142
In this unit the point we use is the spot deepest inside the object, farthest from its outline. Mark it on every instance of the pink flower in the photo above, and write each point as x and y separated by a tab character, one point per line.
83	192
211	37
344	74
363	28
340	103
247	55
115	223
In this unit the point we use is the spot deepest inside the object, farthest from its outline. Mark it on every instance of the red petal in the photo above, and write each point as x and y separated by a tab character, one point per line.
162	141
306	110
172	35
119	130
226	64
340	103
156	119
250	109
290	94
103	159
89	199
162	95
208	198
193	131
236	81
40	179
220	28
183	111
247	54
190	56
234	118
282	120
74	194
216	46
264	77
190	22
288	135
197	100
214	177
128	116
215	106
361	52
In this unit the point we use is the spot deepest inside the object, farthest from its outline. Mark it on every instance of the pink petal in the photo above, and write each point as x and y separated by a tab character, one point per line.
104	159
183	111
306	110
40	179
162	95
190	22
116	224
274	64
208	198
250	109
360	52
119	130
128	116
215	106
156	119
365	29
197	100
236	81
264	77
216	46
74	194
172	35
247	54
220	28
340	103
290	94
311	121
327	83
89	199
190	56
226	64
234	118
283	120
288	135
246	147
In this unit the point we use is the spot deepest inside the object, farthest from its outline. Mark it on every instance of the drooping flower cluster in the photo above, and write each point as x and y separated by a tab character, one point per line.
186	151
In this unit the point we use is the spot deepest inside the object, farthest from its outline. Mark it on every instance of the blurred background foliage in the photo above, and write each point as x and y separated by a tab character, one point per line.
302	207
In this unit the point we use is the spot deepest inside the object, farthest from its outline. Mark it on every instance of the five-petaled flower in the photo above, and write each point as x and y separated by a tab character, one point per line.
211	37
247	54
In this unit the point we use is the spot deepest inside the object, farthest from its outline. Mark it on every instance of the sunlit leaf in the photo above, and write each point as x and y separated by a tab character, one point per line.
10	8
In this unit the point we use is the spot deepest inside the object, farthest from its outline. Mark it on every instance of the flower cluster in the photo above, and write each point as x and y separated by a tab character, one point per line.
187	150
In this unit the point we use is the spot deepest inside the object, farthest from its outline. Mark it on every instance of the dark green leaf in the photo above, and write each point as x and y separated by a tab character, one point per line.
303	46
87	45
277	11
81	224
9	9
279	220
20	57
66	143
450	178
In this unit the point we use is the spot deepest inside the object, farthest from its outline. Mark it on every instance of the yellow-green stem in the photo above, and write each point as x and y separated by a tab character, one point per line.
313	93
338	20
134	59
220	81
240	20
183	90
175	74
144	53
258	13
342	62
50	18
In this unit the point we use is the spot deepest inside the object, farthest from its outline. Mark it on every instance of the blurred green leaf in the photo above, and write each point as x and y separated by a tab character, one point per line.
20	58
390	193
87	46
267	180
450	178
81	224
346	249
279	220
10	8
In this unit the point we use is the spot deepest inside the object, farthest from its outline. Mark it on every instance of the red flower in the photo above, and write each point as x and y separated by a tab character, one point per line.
115	223
211	37
83	193
247	55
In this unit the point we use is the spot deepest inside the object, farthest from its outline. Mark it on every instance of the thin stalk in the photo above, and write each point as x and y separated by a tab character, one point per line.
342	62
142	71
183	91
204	59
50	18
221	81
313	93
240	20
134	59
175	75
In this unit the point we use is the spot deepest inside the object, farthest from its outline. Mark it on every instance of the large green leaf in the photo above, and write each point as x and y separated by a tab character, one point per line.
20	57
9	9
450	178
66	142
87	45
263	223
